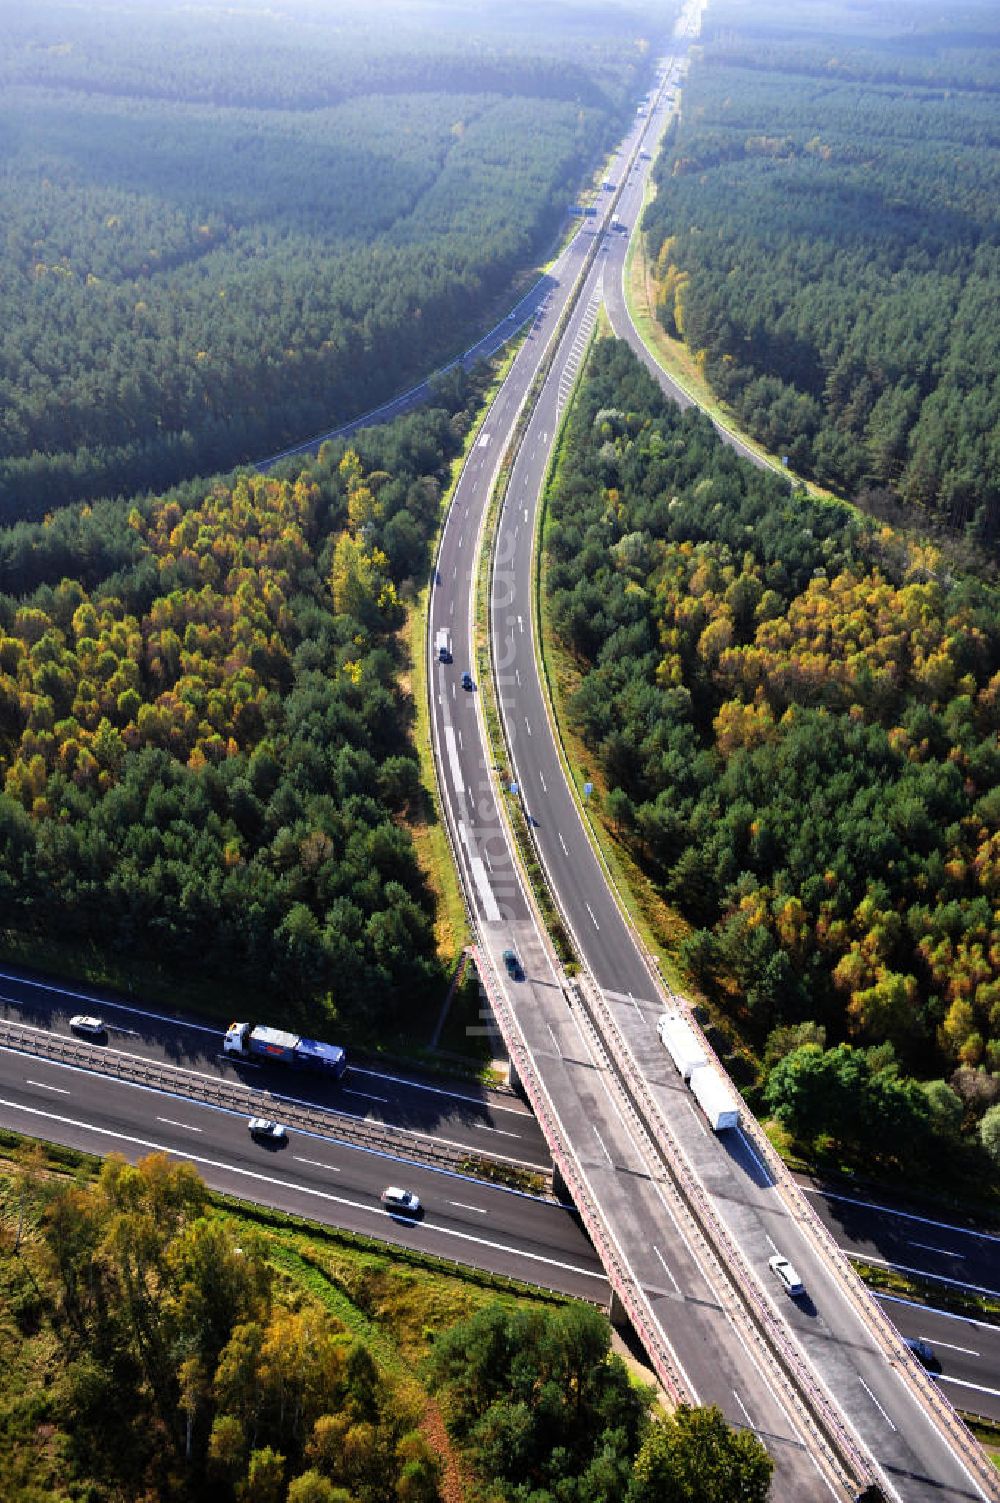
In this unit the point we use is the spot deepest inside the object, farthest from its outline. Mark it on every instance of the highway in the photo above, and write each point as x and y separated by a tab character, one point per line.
450	1111
331	1181
460	1112
916	1459
310	1175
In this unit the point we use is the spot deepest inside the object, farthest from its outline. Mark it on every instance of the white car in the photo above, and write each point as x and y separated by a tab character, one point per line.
395	1199
786	1275
93	1027
263	1127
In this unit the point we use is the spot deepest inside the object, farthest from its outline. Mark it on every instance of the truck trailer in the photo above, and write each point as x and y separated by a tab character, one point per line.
681	1043
715	1098
274	1045
442	645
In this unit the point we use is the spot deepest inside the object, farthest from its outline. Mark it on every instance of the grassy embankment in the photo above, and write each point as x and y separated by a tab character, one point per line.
393	1299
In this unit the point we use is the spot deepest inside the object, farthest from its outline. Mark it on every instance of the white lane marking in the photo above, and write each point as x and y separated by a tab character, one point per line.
771	1241
170	1122
526	509
43	1085
869	1205
555	1041
697	1117
939	1278
563	844
542	781
316	1163
527	726
283	1184
366	1095
964	1383
591	912
484	440
453	762
462	1206
61	991
436	1090
454	572
665	1267
949	1347
755	1156
517	674
604	1146
875	1401
486	858
460	741
967	1320
945	1252
500	1132
746	1412
451	608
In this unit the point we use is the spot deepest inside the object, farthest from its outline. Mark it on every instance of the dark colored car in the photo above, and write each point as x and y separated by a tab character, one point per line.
467	680
923	1351
514	969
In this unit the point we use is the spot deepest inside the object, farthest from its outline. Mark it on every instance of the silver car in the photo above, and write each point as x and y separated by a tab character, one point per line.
93	1027
786	1275
395	1199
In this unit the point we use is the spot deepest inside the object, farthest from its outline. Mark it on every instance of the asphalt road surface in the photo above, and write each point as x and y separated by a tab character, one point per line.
917	1461
459	1112
309	1175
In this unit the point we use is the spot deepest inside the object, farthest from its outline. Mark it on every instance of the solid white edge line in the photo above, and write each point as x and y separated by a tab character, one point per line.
268	1179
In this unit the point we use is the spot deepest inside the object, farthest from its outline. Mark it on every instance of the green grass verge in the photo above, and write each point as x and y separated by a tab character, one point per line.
368	1284
958	1300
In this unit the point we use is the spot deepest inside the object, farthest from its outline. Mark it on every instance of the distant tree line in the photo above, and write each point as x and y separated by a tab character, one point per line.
796	715
830	252
278	226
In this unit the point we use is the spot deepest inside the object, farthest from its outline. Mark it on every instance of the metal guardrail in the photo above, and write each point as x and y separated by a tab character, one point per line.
248	1101
620	1276
865	1305
845	1455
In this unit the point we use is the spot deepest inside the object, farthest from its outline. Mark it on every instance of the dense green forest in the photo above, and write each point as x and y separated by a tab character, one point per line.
204	745
278	225
157	1346
827	240
796	715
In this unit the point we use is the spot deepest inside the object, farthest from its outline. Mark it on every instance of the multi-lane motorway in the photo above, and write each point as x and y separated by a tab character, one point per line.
450	1113
874	1392
684	1296
330	1181
311	1175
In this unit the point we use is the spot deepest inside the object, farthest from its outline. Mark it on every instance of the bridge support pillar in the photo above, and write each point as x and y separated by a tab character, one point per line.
616	1313
513	1079
559	1189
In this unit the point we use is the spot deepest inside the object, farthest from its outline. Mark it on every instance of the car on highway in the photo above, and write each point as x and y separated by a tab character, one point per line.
83	1023
467	680
263	1128
922	1350
514	969
396	1200
786	1275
